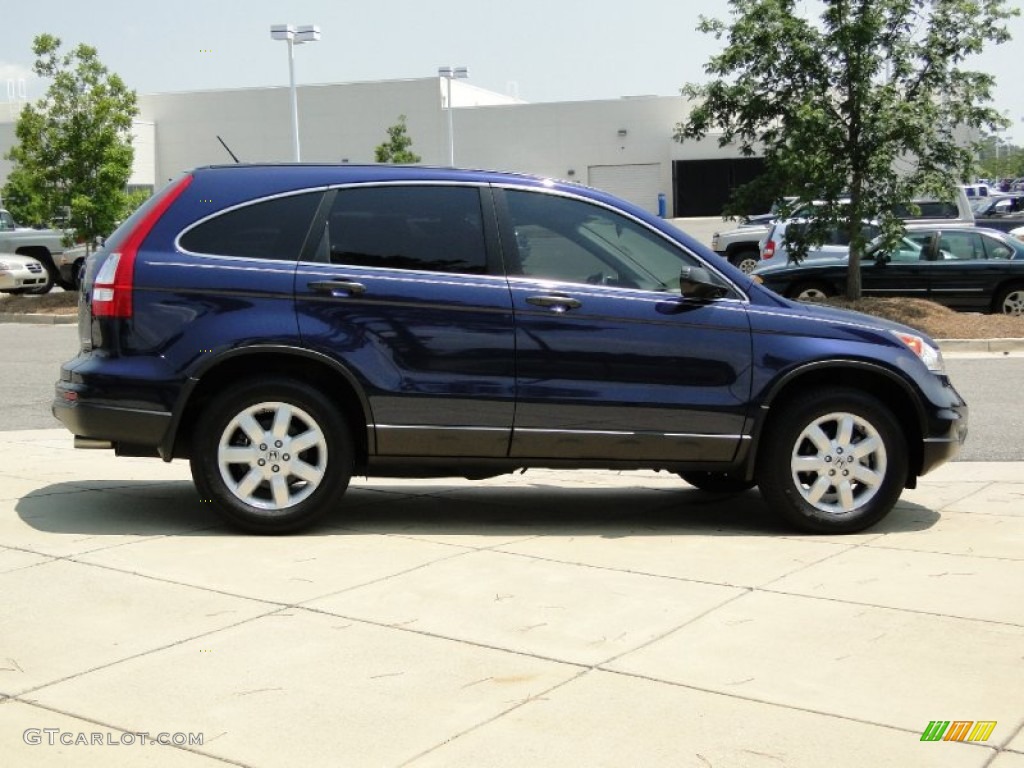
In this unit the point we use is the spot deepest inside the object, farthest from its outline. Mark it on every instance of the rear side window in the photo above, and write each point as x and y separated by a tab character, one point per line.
996	249
270	229
436	229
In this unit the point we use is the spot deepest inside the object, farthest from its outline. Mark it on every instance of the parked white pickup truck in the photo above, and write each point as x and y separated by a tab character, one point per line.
742	245
44	245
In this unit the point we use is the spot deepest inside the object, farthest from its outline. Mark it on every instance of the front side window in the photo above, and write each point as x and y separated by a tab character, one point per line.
908	250
558	238
436	229
270	229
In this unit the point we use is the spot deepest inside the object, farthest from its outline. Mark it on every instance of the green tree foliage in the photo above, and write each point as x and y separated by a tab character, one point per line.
397	149
73	155
869	103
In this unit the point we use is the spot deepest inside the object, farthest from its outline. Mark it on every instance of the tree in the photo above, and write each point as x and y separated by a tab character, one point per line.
864	109
998	159
397	148
73	155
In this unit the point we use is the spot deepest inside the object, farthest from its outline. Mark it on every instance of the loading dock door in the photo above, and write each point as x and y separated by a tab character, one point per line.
703	187
639	184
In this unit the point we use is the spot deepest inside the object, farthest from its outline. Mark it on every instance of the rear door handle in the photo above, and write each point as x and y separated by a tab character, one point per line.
556	301
336	287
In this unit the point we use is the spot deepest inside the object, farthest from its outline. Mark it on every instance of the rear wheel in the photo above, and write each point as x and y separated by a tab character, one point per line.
1010	300
274	456
833	462
717	482
810	292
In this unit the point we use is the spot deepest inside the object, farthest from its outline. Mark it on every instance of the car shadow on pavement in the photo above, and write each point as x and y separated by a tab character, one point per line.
142	508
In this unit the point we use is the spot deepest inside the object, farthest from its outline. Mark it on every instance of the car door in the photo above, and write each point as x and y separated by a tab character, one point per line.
961	276
611	362
899	271
400	290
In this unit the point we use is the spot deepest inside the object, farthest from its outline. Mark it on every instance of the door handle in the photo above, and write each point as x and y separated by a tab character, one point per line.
556	301
335	287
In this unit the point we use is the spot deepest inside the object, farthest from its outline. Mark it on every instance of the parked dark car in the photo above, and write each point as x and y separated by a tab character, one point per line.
966	268
285	327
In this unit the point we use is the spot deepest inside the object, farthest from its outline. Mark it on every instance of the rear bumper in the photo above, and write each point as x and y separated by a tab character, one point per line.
130	426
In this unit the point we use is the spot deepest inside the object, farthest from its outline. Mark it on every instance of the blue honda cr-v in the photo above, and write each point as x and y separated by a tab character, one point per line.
284	326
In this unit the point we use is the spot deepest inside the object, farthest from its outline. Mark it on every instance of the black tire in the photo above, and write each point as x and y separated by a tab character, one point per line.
809	291
286	492
746	260
1010	300
821	499
717	482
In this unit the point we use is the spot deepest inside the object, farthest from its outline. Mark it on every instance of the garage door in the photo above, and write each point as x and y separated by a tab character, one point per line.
639	184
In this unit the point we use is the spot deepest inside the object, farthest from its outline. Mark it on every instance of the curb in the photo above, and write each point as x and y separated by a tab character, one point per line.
38	319
1004	346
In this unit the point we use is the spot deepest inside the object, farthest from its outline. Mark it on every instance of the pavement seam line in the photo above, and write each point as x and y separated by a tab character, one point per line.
915	611
142	654
947	554
778	704
767	589
484	723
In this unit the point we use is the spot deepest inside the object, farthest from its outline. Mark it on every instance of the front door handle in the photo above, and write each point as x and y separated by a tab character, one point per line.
336	287
556	301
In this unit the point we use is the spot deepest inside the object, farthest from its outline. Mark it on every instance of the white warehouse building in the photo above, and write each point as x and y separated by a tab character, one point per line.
625	146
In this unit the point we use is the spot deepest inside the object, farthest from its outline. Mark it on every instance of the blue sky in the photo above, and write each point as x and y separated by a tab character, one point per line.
543	50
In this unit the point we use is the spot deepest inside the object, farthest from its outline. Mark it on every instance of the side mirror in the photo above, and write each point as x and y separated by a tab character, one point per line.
696	283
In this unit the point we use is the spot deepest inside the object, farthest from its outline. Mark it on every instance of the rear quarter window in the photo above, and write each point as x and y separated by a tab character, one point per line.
270	229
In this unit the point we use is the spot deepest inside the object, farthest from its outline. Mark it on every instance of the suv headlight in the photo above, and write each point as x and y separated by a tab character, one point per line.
930	356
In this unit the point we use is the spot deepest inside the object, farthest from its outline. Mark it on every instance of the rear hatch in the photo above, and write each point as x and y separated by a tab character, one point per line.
108	278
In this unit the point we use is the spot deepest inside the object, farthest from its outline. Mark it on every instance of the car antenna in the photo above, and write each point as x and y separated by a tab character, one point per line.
228	149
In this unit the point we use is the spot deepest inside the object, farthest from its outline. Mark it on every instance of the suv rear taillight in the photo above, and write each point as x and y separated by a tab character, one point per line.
112	289
769	249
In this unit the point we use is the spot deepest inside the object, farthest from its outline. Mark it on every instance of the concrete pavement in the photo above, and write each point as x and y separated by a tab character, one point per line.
550	618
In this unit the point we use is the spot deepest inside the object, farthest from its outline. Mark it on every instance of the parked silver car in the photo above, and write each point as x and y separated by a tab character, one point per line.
22	274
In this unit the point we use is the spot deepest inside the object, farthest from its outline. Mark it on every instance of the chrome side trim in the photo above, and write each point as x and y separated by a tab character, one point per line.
613	433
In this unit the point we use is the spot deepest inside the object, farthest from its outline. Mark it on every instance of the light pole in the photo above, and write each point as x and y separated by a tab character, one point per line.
449	74
308	33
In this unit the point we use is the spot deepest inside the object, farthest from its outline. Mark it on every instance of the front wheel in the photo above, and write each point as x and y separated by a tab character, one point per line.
274	456
833	462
